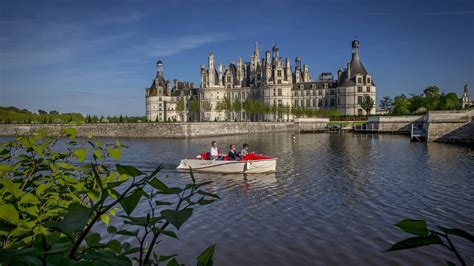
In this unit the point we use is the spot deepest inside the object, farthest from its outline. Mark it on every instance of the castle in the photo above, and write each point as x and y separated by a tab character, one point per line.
266	82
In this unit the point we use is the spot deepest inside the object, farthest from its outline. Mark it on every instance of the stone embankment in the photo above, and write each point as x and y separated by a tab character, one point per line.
167	130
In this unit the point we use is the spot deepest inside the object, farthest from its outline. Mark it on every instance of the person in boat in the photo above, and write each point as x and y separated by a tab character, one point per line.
214	153
244	151
233	155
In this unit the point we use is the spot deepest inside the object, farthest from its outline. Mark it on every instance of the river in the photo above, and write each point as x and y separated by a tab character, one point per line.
333	200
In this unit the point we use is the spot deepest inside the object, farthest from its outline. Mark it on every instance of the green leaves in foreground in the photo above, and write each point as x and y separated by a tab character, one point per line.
425	237
415	242
54	193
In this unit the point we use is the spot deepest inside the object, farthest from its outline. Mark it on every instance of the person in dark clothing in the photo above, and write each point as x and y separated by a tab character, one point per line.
233	155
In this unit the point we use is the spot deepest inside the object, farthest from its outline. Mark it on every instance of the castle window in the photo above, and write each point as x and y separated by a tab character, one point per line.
359	99
359	80
279	102
279	73
359	89
279	92
279	81
320	92
332	102
331	92
368	89
296	102
320	102
368	80
274	92
308	102
301	86
313	86
313	102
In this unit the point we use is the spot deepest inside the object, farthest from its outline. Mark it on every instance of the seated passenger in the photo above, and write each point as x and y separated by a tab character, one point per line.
244	151
214	153
233	155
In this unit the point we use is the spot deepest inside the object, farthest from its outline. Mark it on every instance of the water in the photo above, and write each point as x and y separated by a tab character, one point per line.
333	200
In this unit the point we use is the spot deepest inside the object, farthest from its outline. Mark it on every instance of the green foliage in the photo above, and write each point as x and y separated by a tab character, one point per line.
52	198
431	99
367	104
14	115
386	104
425	236
180	105
194	106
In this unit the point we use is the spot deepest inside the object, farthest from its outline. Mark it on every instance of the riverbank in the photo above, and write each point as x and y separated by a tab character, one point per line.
152	130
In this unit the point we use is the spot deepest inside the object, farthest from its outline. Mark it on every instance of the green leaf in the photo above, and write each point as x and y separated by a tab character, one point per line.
173	262
9	214
105	219
75	219
11	187
205	259
208	194
171	190
128	170
115	153
65	165
93	239
80	154
29	198
70	133
415	227
177	218
165	258
156	183
127	233
130	203
205	201
163	203
167	232
94	195
111	229
457	232
416	241
97	154
115	246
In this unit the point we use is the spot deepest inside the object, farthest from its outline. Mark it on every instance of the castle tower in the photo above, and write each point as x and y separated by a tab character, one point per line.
466	98
298	69
219	74
159	68
211	70
275	54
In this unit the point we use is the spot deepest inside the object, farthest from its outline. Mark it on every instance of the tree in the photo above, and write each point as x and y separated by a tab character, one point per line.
386	104
237	107
249	107
42	112
180	107
401	105
449	101
194	106
367	104
431	97
54	112
206	106
120	119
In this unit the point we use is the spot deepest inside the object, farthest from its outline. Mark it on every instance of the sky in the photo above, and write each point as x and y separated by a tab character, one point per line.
97	57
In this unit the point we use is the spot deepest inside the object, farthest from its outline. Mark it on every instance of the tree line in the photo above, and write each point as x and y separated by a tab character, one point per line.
430	99
14	115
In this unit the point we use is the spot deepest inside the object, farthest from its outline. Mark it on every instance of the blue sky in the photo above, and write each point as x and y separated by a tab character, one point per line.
97	57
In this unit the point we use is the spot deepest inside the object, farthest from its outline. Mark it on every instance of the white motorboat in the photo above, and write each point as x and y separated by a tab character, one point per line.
250	164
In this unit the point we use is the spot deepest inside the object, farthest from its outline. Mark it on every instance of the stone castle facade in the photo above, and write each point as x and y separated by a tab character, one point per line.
268	80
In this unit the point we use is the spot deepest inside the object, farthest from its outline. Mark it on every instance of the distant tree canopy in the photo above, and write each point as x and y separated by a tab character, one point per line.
430	99
19	116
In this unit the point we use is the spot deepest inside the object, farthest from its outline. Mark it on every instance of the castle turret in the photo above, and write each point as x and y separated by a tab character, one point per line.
159	68
211	70
306	75
219	74
466	98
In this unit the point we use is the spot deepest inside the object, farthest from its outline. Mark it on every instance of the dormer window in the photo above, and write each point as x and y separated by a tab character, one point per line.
359	80
313	86
368	79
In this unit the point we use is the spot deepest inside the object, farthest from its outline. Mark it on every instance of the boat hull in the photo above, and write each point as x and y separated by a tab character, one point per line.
228	167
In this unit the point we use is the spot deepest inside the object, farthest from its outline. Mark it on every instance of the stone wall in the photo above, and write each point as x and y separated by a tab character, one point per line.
449	126
152	130
311	124
395	124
